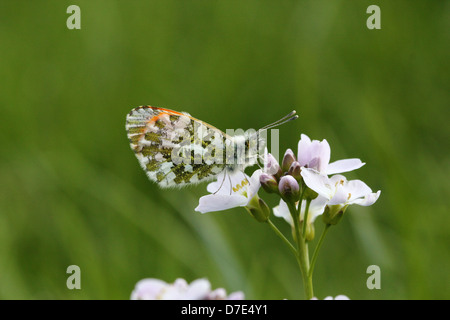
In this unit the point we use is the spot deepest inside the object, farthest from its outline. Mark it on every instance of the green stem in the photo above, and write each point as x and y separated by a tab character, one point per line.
307	279
295	218
316	250
303	255
282	237
305	218
299	209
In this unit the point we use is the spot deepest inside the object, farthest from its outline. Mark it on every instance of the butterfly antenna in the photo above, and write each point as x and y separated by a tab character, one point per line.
291	116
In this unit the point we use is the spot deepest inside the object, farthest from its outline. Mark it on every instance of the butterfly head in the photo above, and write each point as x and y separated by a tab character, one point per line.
247	147
245	150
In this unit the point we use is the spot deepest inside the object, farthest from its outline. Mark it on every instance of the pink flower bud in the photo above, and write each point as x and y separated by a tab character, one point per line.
268	183
289	188
295	171
288	159
271	166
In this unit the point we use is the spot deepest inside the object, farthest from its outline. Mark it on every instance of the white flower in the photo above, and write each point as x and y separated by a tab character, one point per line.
338	191
200	289
338	297
316	208
233	190
148	289
221	294
316	155
155	289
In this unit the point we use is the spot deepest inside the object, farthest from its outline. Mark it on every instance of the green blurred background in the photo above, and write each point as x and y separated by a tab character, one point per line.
72	192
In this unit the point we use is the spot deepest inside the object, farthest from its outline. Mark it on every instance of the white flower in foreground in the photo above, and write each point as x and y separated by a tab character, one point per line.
315	154
234	190
200	289
338	190
339	193
339	297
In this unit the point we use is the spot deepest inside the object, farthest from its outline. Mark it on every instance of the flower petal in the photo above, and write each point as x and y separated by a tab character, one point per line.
316	208
254	184
313	154
219	202
323	153
198	290
338	179
368	200
357	189
341	297
238	295
341	196
282	211
271	165
303	153
148	289
344	165
225	182
317	182
175	291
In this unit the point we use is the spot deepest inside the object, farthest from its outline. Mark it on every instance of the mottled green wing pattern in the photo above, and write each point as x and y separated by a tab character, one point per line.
173	148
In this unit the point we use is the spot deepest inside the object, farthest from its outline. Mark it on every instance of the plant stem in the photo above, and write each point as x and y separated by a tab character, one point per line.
304	260
295	218
299	209
316	250
282	237
302	249
305	218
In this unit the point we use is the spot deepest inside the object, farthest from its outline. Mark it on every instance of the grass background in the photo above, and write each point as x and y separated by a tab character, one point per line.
72	192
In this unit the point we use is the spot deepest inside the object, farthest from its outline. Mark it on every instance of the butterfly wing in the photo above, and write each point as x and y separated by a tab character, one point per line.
173	148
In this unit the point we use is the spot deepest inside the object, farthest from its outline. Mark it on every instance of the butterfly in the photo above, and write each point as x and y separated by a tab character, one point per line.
176	149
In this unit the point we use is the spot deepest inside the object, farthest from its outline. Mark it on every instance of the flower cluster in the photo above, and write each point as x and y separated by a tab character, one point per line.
308	186
305	177
200	289
305	174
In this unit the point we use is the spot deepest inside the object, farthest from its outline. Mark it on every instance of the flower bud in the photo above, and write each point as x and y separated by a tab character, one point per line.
289	188
310	232
333	214
310	194
265	210
295	170
271	166
258	209
268	183
288	158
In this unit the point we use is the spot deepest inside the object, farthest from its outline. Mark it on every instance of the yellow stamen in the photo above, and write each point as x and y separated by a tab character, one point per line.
240	186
